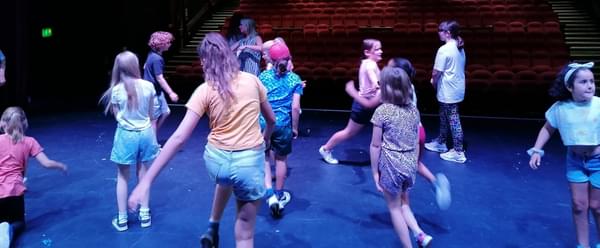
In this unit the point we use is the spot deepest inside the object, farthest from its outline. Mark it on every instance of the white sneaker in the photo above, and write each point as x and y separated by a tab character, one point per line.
274	204
145	219
286	197
442	191
434	146
5	235
453	156
327	156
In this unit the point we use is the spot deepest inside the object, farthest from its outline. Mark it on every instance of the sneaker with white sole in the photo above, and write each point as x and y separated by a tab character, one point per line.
435	146
327	156
5	235
273	204
454	156
120	224
145	219
423	240
443	196
285	198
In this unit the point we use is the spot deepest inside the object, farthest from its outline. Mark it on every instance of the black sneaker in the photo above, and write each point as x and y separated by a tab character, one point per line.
210	239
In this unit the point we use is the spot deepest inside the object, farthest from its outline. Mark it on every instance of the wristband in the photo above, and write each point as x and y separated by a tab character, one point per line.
533	150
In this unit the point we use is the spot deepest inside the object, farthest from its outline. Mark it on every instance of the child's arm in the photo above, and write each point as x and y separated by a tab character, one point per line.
295	114
165	86
543	137
435	77
267	113
49	163
375	151
177	139
367	103
257	47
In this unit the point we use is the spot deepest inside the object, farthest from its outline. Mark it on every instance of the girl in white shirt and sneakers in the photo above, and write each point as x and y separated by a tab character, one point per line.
448	78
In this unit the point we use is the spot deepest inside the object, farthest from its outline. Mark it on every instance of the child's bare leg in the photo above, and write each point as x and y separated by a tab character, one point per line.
400	226
580	209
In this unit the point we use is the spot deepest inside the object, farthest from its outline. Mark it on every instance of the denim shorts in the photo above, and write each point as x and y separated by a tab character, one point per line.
360	114
581	169
160	106
131	147
244	170
281	140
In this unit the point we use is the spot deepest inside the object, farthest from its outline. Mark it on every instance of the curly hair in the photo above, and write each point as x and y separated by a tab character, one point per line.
159	39
559	90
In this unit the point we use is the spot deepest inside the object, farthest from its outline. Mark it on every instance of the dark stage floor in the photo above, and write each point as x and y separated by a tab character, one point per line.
497	200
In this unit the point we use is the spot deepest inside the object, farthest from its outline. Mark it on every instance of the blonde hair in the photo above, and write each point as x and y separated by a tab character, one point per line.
219	63
14	123
396	87
126	70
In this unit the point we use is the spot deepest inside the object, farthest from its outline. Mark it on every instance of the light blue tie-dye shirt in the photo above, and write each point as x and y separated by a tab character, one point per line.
577	123
280	92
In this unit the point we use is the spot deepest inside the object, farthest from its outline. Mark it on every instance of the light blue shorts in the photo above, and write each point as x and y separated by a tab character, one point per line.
131	147
581	169
160	106
243	170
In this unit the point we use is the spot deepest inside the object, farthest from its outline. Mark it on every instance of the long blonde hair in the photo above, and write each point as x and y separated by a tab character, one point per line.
396	87
219	63
126	70
14	123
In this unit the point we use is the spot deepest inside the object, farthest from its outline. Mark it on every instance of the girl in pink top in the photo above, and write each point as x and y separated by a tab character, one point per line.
368	80
15	149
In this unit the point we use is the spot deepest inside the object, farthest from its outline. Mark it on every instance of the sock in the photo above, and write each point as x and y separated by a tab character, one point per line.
279	193
122	216
269	193
144	210
214	225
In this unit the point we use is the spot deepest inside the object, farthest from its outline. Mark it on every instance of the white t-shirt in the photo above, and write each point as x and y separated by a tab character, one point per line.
366	86
577	123
138	119
450	61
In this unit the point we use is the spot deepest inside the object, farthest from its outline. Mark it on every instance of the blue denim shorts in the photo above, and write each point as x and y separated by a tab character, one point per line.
244	170
131	147
581	169
160	106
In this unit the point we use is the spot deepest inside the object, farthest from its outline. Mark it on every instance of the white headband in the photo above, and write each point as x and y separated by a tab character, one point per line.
574	66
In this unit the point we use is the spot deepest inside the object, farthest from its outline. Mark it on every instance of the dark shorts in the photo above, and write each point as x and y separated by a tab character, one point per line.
281	140
360	114
12	209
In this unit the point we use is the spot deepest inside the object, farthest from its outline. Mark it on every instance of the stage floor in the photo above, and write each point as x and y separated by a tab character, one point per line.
497	200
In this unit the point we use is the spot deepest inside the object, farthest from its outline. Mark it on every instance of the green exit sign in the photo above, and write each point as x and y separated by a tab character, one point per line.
46	32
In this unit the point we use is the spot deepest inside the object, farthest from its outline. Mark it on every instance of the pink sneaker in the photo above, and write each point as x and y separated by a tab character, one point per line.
423	240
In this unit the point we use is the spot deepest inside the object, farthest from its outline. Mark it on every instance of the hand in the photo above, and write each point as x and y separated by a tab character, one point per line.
63	167
174	97
294	133
535	161
140	192
376	179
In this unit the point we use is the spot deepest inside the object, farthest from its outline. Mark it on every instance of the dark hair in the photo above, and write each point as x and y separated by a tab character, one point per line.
281	66
559	90
233	31
405	65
